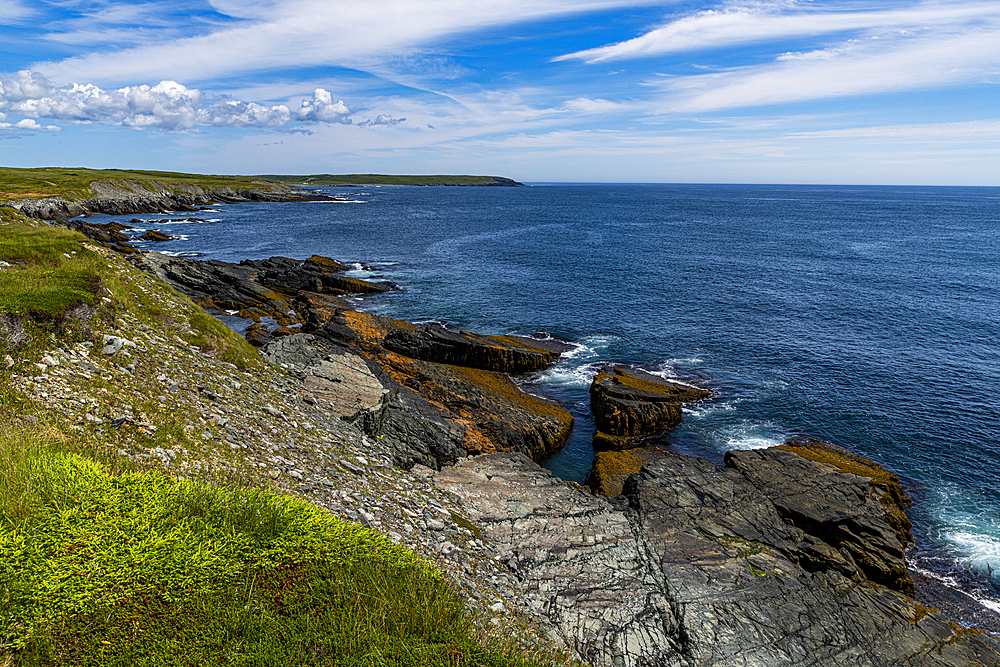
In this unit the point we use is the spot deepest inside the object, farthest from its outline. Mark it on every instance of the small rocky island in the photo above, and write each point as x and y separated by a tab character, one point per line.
793	555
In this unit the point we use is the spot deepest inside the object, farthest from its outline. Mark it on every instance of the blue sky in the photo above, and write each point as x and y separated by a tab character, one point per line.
791	91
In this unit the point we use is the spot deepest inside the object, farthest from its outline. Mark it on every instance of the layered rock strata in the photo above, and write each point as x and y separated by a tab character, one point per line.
771	560
630	404
630	407
441	394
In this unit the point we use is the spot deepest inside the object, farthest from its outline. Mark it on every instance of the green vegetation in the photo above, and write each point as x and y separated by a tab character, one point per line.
100	566
74	184
386	179
110	561
50	271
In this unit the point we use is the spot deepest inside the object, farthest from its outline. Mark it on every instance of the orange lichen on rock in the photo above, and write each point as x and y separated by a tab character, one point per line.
887	486
611	468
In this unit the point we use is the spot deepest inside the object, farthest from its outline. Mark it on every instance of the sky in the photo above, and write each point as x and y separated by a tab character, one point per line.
786	91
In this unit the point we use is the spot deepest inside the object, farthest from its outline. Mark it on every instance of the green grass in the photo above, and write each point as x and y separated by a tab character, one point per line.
105	566
380	179
50	270
74	184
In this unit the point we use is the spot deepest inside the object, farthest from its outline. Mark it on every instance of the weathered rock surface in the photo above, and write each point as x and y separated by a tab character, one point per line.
612	467
703	565
576	557
435	343
348	386
630	404
290	291
338	380
156	235
840	509
492	412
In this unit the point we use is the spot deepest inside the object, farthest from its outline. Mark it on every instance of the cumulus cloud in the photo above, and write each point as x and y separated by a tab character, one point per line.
381	119
322	108
28	124
169	106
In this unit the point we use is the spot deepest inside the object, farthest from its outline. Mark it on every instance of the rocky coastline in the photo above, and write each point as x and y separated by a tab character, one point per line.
793	555
127	197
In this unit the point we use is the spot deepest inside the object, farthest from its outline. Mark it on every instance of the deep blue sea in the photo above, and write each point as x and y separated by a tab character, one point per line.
868	316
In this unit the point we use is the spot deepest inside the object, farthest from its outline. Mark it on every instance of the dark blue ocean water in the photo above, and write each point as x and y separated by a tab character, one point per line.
869	316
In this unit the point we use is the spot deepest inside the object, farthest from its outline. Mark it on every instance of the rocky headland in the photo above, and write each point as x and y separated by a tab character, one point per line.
127	196
793	555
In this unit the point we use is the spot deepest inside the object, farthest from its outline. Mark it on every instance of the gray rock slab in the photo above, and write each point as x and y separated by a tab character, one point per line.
578	563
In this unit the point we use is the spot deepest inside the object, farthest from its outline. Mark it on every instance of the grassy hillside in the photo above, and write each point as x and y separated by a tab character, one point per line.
137	528
387	179
74	184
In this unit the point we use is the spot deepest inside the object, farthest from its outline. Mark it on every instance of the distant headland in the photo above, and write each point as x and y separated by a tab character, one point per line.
391	179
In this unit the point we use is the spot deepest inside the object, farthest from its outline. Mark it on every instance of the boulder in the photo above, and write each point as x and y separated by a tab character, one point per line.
630	404
156	235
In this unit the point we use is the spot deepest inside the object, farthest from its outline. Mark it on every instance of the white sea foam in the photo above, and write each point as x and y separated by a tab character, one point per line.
337	201
750	435
978	594
982	550
563	375
671	375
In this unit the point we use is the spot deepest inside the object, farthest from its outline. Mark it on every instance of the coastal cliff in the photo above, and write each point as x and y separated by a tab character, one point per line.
128	196
791	555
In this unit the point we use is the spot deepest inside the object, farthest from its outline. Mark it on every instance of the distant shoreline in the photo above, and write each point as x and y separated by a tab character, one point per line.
362	180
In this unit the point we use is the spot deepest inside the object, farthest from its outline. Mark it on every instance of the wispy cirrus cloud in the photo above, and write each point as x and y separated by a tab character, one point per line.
13	12
905	62
762	22
274	34
166	106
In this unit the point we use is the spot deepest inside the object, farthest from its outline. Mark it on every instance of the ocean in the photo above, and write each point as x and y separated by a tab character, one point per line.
867	316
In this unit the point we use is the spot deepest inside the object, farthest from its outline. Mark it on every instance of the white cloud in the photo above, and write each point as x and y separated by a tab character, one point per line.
304	33
745	25
13	12
855	68
322	108
28	124
594	106
381	119
167	106
978	130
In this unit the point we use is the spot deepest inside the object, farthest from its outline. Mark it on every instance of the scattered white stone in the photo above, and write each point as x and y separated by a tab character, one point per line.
50	361
112	345
9	361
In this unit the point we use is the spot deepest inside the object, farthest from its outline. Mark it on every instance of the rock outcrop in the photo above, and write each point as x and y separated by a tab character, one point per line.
630	404
291	292
435	343
493	414
773	559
